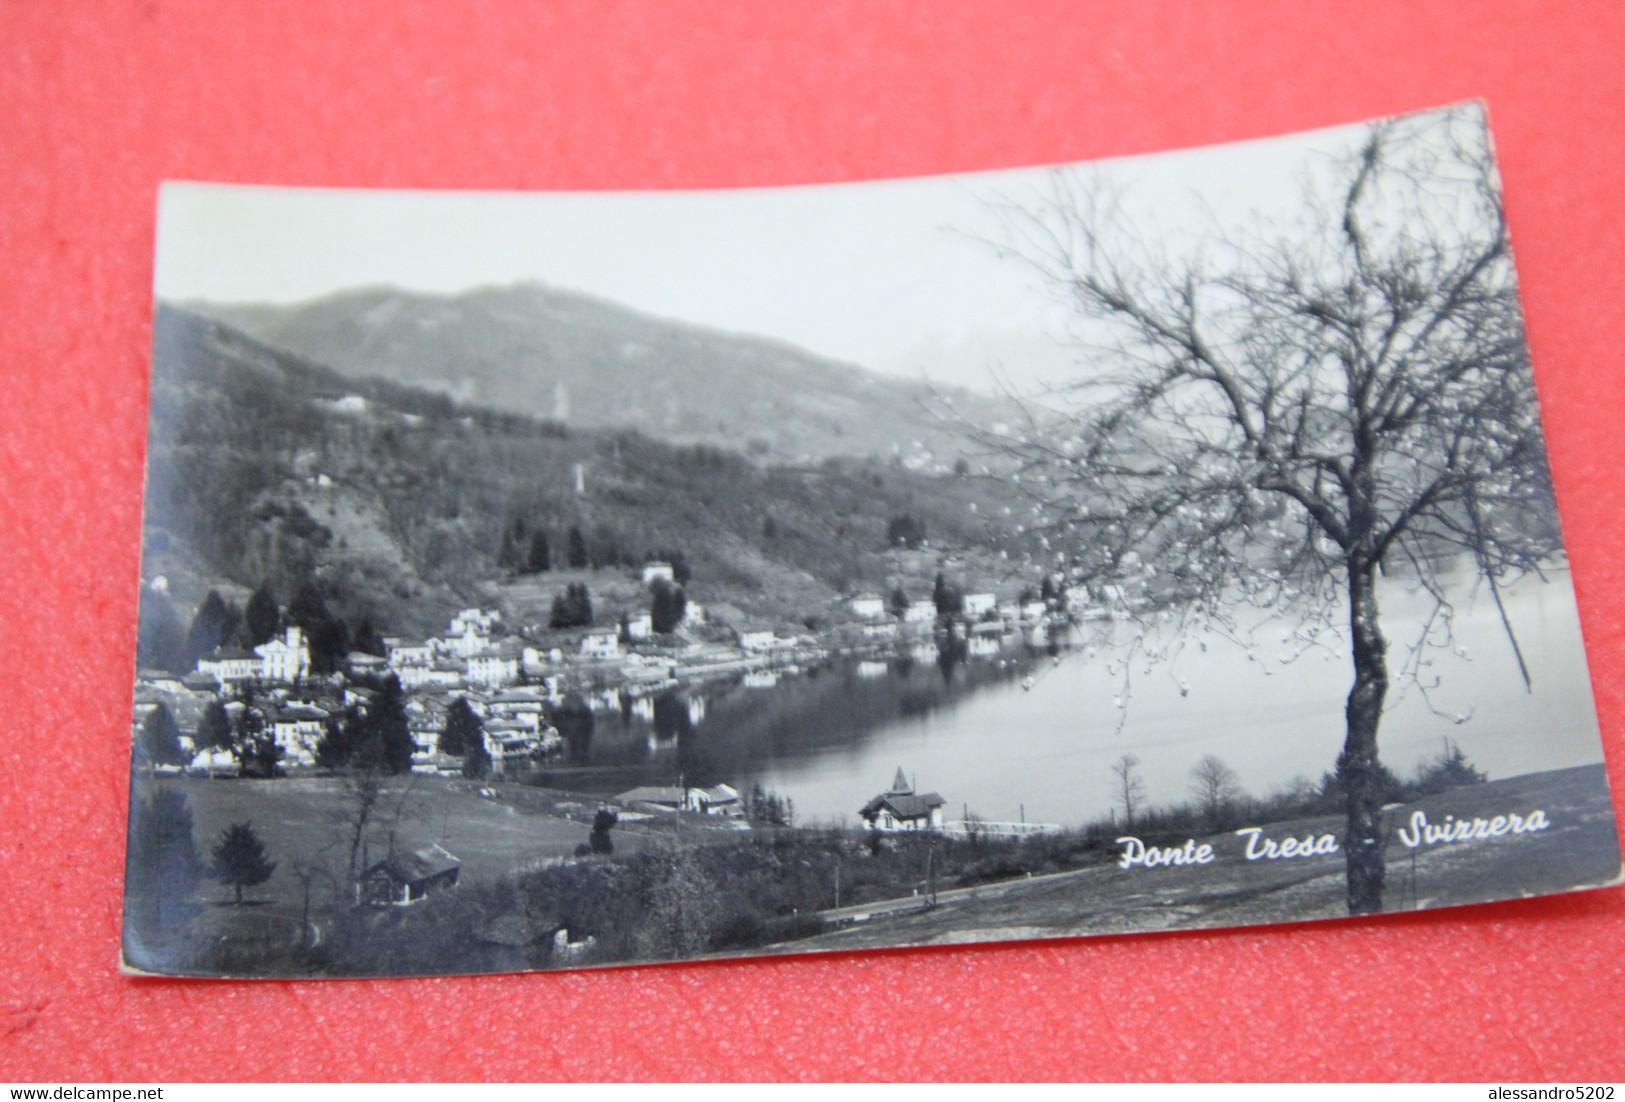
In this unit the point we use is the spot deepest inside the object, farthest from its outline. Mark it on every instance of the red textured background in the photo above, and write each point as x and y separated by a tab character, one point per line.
98	102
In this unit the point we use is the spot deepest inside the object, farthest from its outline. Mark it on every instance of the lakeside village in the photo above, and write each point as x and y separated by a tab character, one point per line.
529	876
516	691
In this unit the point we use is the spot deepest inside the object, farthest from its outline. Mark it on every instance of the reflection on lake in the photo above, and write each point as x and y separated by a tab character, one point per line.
1009	731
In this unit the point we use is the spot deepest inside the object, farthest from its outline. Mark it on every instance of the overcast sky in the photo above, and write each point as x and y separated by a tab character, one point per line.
891	275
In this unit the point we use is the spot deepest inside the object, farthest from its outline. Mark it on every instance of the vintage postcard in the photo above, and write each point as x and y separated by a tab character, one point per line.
557	580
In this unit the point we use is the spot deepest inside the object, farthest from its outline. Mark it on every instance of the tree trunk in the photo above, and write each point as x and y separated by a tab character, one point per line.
1358	767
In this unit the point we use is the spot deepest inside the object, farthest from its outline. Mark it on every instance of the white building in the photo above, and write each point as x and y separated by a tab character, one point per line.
756	640
601	644
640	627
868	606
227	664
470	642
477	618
980	604
919	612
511	745
719	799
493	666
521	705
437	673
297	728
658	570
403	652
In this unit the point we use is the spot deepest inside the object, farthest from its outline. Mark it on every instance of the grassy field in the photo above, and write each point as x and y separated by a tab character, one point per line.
1579	849
711	885
301	820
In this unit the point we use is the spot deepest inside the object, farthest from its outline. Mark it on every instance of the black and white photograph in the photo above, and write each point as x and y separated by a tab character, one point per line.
560	580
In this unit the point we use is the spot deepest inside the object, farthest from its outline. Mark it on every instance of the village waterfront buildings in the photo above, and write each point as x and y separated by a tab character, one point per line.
514	676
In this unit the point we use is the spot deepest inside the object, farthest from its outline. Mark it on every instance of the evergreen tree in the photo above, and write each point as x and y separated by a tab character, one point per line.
239	859
160	641
577	549
213	728
261	758
905	531
160	740
668	604
599	840
946	597
476	758
255	749
338	741
388	734
325	634
463	728
1450	769
899	601
768	807
572	608
213	625
262	619
512	553
329	647
540	559
308	609
366	639
164	866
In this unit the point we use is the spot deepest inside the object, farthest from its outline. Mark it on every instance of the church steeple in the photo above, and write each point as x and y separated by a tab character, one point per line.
900	785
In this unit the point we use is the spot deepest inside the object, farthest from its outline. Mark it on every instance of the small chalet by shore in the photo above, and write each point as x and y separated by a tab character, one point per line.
406	878
903	809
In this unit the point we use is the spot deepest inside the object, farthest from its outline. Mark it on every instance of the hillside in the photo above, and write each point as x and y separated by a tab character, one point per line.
591	364
403	504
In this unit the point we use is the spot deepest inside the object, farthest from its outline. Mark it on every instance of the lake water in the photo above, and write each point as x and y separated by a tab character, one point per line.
967	727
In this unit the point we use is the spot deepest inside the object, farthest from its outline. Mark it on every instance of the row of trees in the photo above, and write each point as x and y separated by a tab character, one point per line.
527	548
1217	800
572	606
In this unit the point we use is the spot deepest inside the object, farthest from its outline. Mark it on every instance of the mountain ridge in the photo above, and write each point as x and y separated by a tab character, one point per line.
586	361
401	504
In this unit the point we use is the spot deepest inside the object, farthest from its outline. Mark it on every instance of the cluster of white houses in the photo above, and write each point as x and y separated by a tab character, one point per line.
973	606
298	709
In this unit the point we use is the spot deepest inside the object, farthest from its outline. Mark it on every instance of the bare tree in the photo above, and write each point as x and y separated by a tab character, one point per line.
373	805
1273	418
1127	787
1215	787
